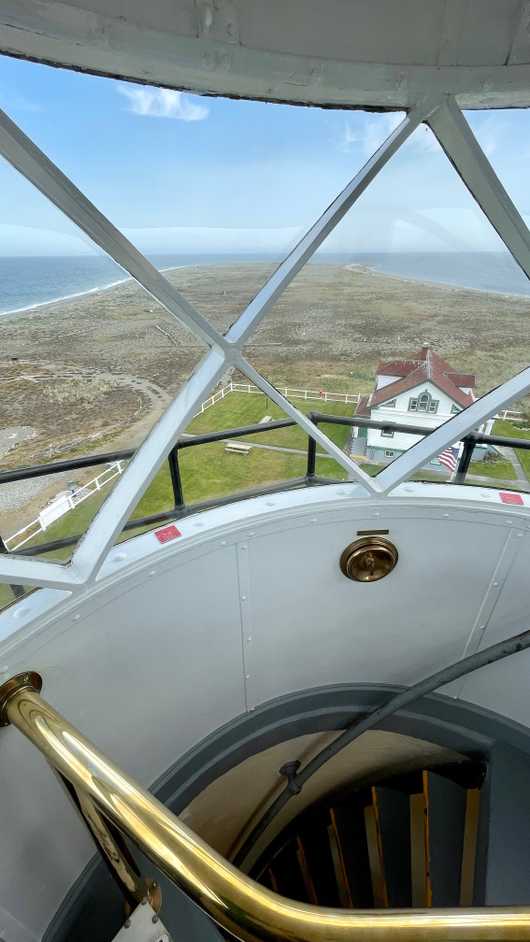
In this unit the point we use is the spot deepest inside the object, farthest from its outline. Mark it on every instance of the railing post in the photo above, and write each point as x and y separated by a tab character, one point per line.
176	481
465	459
311	450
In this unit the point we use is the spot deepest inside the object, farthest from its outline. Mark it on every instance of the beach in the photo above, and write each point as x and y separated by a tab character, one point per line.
94	372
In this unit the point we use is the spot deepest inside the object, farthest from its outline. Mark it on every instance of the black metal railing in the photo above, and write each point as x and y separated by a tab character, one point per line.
180	508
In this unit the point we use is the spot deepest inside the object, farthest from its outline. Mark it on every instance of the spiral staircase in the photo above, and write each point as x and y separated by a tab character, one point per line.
406	841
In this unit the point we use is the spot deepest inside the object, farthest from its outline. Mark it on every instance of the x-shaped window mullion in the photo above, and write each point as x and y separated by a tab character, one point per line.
463	150
33	164
36	167
99	537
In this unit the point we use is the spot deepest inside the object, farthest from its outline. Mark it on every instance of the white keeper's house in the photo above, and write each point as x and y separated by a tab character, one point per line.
423	390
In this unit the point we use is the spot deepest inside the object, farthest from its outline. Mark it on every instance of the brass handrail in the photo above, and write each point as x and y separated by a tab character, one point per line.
238	904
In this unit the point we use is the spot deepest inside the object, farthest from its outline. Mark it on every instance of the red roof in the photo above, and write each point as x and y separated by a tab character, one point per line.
425	366
463	379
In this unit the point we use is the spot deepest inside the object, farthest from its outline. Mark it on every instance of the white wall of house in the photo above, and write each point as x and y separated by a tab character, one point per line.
400	413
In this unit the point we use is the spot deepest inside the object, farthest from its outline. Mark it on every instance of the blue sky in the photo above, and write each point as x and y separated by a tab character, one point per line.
179	172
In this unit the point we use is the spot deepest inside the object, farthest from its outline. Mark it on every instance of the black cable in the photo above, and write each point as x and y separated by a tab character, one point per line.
445	676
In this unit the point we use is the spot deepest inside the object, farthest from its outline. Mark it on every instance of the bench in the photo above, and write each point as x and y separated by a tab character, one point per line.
238	448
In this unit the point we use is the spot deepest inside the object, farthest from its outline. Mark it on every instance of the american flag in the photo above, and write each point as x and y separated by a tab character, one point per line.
449	457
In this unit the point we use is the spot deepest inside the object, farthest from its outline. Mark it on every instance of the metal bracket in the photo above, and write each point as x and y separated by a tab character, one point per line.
29	680
143	925
290	770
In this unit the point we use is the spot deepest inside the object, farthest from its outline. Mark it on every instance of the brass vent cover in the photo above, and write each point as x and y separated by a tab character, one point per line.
368	559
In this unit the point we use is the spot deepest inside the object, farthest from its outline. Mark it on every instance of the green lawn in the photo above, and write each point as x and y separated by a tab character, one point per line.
502	427
208	471
499	468
239	409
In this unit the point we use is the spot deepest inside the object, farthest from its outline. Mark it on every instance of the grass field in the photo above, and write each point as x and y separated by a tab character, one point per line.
508	428
208	471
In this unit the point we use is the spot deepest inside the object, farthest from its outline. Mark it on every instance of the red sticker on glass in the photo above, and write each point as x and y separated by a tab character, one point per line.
508	497
167	533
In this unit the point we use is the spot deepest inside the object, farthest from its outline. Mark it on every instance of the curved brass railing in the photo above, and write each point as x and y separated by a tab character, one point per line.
108	797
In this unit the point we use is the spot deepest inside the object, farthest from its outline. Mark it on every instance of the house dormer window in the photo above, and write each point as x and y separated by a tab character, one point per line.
424	403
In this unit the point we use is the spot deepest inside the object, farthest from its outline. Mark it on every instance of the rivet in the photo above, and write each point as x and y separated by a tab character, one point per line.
223	542
243	598
243	548
519	534
482	628
252	533
247	676
446	515
495	584
127	924
152	572
155	918
77	617
249	638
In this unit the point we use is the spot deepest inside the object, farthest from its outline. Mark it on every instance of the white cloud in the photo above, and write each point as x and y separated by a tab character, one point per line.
377	128
488	130
201	240
348	138
162	103
369	135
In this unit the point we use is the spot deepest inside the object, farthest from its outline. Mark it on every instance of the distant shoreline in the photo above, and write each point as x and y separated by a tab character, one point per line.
65	297
82	294
409	279
352	266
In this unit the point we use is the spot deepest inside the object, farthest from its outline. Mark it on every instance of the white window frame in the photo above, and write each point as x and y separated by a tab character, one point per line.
432	404
224	352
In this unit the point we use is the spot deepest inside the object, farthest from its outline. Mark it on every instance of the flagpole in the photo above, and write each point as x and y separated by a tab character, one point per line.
452	478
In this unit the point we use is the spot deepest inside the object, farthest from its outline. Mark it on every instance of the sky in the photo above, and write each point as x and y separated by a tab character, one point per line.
182	173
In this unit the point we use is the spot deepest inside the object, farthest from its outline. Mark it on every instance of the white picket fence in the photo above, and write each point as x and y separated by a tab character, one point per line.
320	395
290	392
62	505
66	502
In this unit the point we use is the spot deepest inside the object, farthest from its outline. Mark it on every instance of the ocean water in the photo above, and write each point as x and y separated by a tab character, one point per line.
484	271
25	282
32	280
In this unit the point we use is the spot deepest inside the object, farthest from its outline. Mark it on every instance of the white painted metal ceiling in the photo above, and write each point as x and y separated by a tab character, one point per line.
375	53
